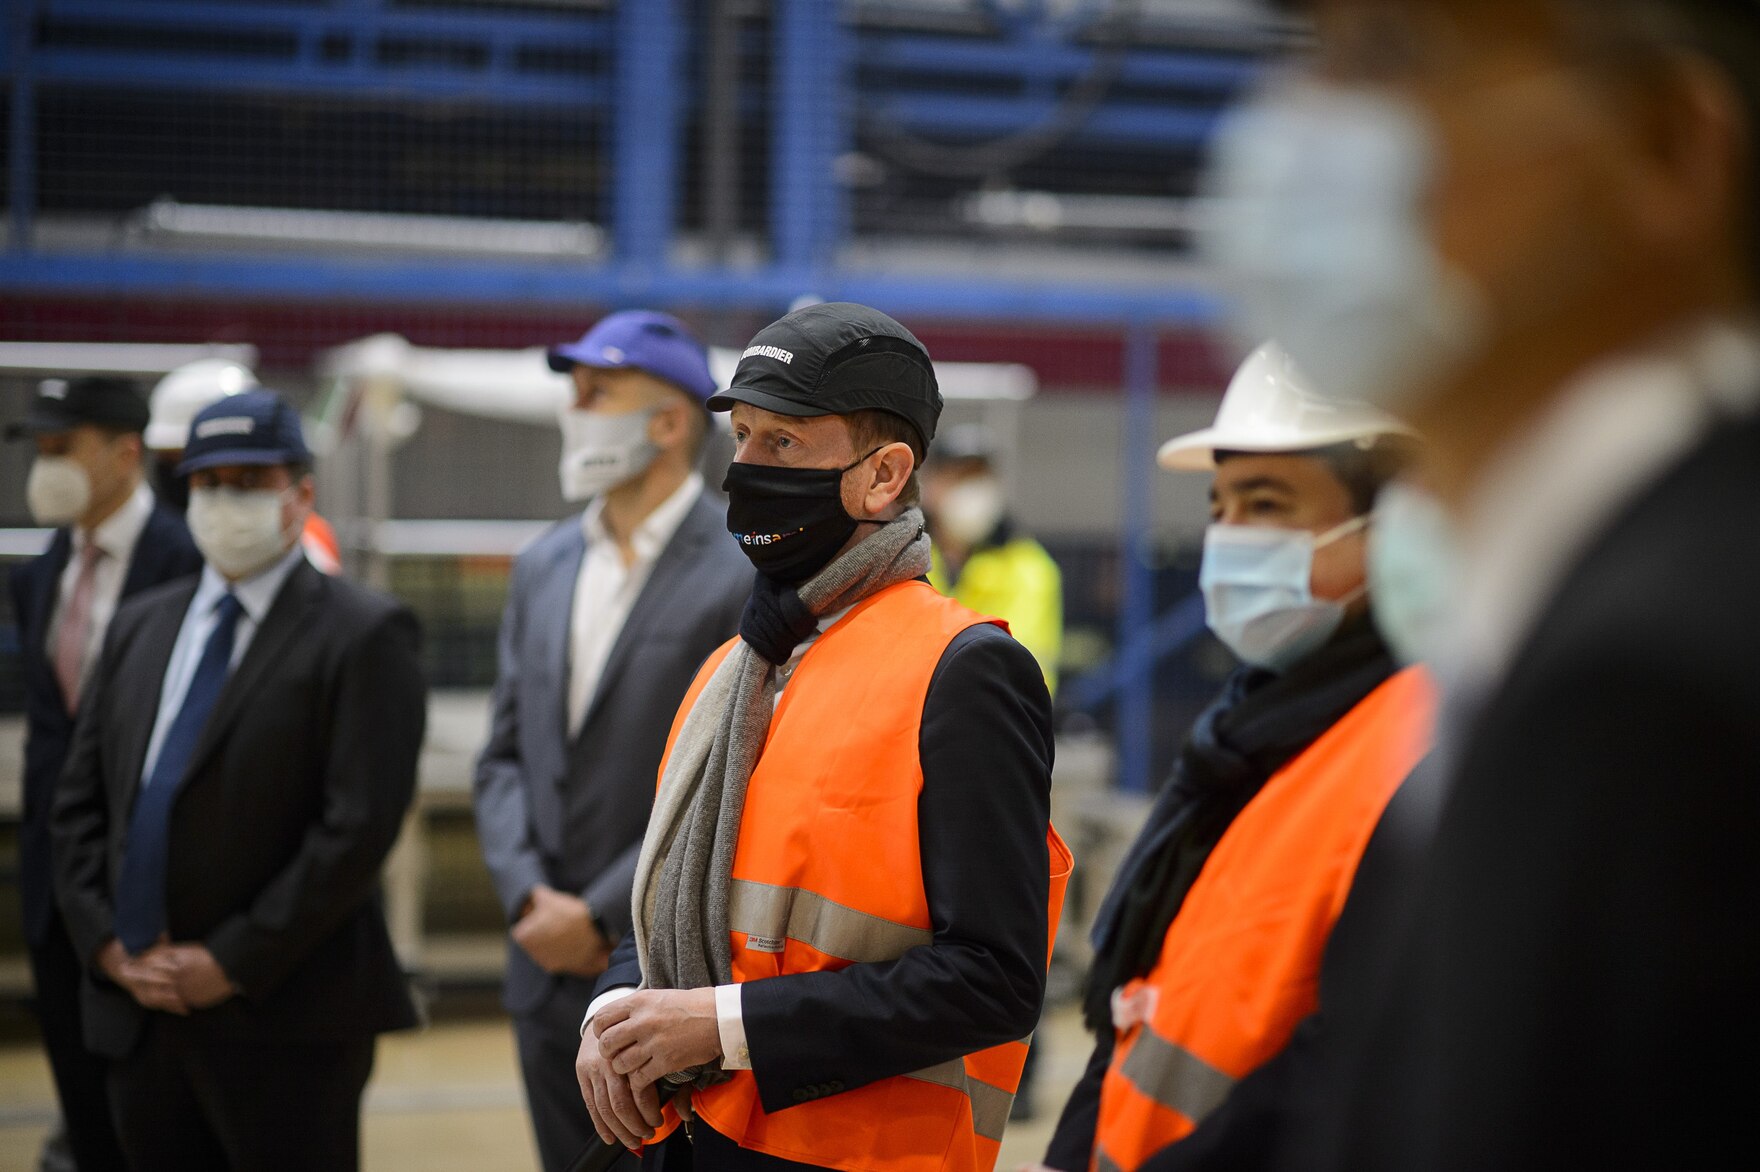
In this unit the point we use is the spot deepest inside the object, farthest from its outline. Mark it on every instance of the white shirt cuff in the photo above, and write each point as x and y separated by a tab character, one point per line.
601	1001
734	1053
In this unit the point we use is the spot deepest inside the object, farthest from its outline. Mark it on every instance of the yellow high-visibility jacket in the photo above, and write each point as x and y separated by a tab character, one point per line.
1018	583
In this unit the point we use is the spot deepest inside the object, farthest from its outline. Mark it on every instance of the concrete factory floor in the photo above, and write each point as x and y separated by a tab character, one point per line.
448	1099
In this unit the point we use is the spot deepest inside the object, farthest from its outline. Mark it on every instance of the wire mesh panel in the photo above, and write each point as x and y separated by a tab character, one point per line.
469	111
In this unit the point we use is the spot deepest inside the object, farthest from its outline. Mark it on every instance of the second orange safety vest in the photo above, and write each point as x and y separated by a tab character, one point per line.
828	873
1240	965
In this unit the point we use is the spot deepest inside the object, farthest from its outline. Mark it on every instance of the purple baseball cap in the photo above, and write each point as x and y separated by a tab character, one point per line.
640	339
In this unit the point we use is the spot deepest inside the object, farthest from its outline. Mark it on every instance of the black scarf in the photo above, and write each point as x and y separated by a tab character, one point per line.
1259	722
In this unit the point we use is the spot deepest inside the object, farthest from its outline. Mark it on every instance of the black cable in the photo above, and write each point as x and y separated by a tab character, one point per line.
1004	153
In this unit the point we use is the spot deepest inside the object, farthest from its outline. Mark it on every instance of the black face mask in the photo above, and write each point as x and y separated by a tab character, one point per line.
789	521
169	486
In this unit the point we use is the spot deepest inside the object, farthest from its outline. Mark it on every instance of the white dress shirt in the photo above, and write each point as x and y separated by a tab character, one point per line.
116	536
255	596
607	588
729	1016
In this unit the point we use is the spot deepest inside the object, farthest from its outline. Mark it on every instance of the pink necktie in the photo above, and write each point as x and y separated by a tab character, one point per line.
76	620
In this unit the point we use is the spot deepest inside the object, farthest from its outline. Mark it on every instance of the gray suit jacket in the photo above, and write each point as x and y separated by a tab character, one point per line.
570	813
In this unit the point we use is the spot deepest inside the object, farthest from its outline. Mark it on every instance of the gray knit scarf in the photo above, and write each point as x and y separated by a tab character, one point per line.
686	867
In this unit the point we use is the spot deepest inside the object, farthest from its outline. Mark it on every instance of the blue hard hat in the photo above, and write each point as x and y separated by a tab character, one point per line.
253	427
640	339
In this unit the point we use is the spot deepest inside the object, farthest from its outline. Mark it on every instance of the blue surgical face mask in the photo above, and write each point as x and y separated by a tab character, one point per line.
1413	568
1319	232
1257	594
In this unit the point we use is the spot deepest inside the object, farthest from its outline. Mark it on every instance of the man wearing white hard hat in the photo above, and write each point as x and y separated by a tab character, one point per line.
176	400
1208	946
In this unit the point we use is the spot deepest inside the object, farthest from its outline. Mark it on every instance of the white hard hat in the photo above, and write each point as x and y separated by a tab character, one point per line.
180	396
1271	407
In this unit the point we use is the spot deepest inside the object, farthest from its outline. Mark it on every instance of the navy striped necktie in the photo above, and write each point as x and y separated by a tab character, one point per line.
140	889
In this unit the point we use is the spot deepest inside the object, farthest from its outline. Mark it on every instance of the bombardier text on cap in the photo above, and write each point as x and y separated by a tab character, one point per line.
837	358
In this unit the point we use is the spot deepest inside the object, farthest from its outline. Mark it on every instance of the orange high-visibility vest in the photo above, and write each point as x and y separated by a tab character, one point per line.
1240	966
318	540
827	873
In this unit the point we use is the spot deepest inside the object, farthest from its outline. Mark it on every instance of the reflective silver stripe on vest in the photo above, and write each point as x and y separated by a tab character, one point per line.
771	913
990	1104
1104	1162
1175	1077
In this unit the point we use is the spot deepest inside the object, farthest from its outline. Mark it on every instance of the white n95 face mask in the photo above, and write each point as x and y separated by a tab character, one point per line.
1318	194
1413	567
58	490
600	452
238	532
971	509
1257	589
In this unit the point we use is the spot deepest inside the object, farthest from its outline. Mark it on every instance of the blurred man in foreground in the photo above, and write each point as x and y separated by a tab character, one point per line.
1528	226
609	615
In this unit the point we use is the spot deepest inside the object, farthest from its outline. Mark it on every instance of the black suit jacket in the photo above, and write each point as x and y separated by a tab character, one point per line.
164	553
1576	987
294	796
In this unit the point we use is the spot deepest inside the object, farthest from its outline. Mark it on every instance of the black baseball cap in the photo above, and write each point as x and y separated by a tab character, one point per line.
64	404
252	427
835	358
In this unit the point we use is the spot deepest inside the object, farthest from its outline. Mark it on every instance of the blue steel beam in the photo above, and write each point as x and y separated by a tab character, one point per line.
1136	612
644	169
110	70
945	295
809	130
353	20
21	170
948	116
304	70
961	58
1173	630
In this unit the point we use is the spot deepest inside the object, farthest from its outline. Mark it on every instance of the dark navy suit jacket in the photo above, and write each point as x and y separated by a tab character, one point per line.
292	798
164	553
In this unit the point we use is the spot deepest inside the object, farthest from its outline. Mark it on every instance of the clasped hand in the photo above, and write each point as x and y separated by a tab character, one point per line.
557	931
171	978
633	1043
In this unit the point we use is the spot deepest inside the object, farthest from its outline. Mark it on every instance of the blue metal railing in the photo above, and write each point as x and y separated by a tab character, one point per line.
645	138
350	49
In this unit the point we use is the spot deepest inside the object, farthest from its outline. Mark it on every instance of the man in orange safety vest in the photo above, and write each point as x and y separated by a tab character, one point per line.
846	895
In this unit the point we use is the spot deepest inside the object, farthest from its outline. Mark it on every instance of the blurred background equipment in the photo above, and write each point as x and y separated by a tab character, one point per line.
387	207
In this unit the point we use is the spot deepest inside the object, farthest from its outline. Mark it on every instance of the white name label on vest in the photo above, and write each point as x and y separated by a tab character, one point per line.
764	943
